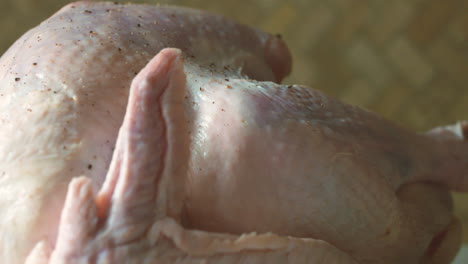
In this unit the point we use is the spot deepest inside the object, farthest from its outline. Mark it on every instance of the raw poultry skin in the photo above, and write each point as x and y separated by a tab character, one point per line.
211	150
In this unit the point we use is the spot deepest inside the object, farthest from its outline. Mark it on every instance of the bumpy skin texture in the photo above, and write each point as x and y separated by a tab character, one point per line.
136	216
63	91
205	155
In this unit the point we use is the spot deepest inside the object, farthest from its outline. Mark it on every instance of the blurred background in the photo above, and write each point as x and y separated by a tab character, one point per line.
405	59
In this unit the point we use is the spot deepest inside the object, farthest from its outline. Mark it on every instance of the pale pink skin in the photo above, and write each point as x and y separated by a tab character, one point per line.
205	156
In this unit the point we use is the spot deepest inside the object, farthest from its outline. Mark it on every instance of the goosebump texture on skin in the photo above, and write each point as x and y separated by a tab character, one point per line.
150	134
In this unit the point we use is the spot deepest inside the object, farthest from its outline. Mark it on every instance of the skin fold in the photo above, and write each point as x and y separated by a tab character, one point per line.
145	134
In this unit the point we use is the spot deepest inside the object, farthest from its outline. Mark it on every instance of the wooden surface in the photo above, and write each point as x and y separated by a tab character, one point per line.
406	59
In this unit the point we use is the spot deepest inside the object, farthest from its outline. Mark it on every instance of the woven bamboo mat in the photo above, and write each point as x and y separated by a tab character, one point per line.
406	59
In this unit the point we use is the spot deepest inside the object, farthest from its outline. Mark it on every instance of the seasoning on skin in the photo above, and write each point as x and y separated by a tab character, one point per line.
17	79
90	166
201	89
88	11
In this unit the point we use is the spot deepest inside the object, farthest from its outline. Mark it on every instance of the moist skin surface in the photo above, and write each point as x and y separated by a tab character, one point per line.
200	156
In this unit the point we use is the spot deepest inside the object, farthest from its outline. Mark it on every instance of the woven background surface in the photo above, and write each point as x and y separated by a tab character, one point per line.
405	59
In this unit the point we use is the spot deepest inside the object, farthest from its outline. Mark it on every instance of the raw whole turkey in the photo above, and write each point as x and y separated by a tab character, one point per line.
155	134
